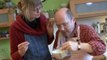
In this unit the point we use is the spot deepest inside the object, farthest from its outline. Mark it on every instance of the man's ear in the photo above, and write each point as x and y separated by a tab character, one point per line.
74	20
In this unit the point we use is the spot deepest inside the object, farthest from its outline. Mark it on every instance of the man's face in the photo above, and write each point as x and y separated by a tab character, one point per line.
65	25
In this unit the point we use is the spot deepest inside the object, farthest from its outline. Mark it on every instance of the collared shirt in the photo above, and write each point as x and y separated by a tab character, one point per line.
88	35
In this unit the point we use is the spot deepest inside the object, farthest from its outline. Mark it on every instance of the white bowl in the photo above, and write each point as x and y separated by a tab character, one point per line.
59	54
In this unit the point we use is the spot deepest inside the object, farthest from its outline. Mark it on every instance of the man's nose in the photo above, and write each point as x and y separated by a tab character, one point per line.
62	28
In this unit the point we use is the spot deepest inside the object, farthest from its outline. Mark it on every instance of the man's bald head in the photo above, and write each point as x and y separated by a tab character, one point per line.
64	21
63	13
60	13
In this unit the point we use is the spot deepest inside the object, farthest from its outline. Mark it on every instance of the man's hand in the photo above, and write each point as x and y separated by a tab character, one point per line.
22	48
70	45
56	56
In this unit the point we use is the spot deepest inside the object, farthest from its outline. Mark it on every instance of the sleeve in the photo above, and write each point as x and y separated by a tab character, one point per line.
14	43
50	38
98	46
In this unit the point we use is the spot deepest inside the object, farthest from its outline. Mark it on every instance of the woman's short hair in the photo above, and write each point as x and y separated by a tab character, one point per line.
26	5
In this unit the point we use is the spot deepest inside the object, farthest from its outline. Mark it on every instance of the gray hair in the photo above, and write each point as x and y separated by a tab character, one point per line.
69	14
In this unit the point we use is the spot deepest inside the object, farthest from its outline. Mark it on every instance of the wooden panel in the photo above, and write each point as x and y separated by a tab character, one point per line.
9	12
73	4
3	11
91	14
4	38
85	1
4	24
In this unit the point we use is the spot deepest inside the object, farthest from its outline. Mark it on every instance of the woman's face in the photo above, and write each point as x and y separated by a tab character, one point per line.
31	8
35	12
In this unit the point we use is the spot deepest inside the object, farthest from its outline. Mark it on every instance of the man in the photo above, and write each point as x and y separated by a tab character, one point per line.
81	41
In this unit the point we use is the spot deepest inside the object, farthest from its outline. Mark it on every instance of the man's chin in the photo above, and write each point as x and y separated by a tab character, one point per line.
66	34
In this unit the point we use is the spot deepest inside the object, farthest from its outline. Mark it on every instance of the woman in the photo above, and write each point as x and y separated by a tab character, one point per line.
29	34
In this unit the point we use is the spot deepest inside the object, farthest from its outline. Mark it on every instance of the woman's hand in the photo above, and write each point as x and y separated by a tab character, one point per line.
22	48
50	27
70	45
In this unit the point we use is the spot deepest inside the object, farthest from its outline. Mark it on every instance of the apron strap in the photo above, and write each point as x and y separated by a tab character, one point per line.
78	35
